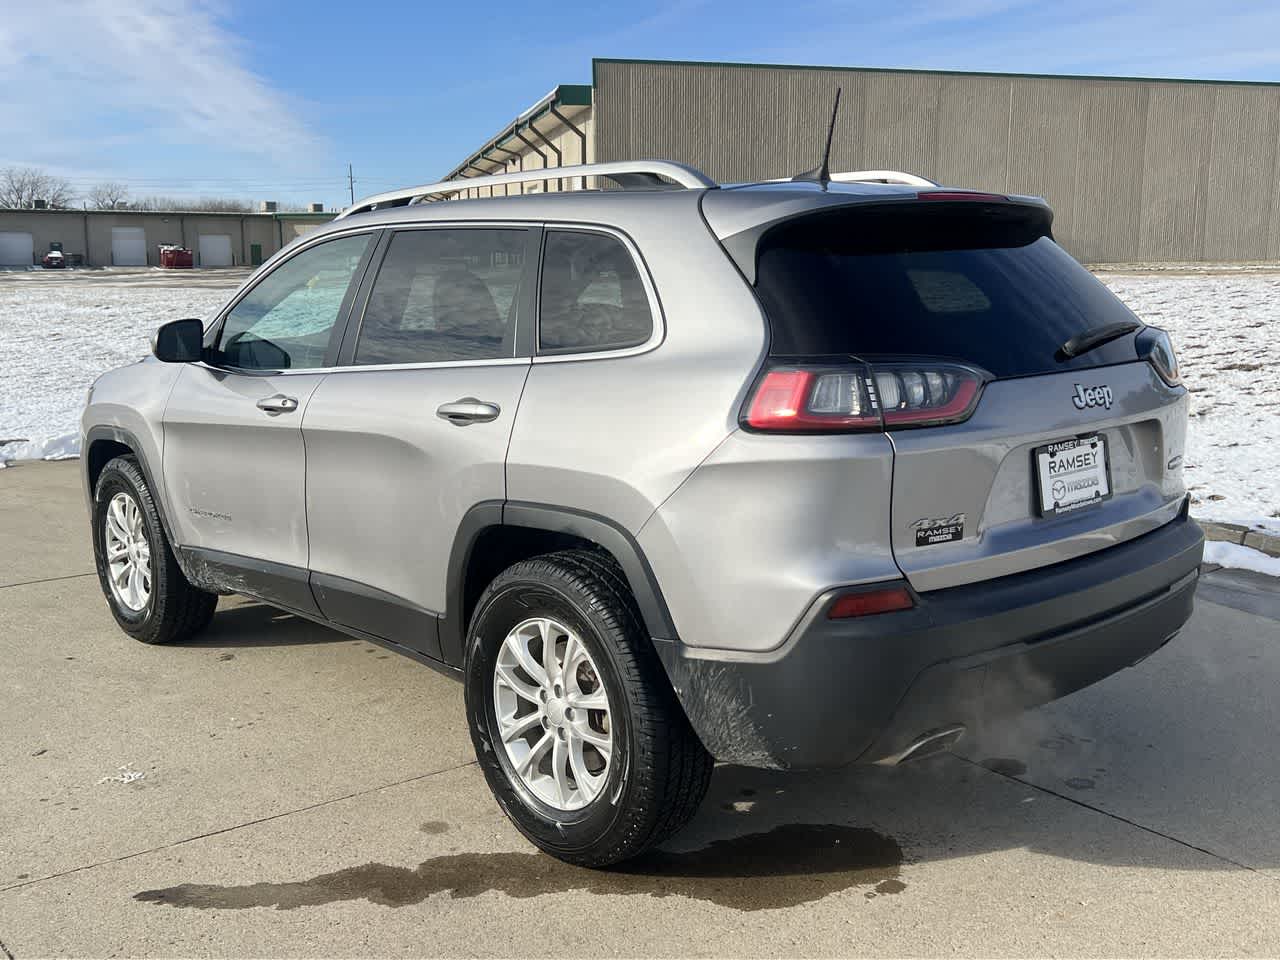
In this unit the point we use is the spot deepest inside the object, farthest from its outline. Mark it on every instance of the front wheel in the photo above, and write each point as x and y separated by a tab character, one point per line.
574	723
145	588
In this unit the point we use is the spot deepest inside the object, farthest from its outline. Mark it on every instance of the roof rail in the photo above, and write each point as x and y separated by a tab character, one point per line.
625	172
883	176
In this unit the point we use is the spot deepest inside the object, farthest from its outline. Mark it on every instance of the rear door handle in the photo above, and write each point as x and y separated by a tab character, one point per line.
468	410
278	404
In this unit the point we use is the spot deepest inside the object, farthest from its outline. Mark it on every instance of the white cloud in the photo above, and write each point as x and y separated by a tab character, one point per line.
79	75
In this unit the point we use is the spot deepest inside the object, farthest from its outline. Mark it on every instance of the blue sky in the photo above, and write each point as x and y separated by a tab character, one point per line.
272	99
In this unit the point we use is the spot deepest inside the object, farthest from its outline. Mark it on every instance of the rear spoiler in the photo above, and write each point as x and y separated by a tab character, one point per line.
742	245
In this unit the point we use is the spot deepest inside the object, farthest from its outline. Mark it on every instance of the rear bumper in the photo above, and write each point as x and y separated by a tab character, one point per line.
868	689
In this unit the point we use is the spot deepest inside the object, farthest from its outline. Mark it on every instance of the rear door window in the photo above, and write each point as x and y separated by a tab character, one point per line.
592	297
444	295
982	284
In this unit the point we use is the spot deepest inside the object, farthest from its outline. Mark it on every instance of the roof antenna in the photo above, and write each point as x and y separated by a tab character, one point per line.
822	172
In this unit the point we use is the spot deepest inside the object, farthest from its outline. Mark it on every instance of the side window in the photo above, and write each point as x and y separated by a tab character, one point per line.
591	297
442	295
286	319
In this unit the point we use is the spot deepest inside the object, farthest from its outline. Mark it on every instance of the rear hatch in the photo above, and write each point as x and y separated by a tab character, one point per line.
957	325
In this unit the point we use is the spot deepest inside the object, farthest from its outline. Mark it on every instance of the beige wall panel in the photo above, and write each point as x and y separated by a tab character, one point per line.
1044	135
900	123
1175	172
1105	208
1242	166
973	132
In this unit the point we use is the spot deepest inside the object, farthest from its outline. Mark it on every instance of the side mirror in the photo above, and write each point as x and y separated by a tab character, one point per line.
179	341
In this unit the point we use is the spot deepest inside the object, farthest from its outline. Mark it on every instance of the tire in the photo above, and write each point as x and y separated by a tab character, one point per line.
657	772
171	609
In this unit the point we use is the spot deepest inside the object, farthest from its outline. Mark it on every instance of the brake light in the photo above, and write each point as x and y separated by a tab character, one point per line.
827	398
865	602
961	195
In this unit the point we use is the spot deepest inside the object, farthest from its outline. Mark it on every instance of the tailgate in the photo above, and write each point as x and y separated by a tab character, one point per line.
967	499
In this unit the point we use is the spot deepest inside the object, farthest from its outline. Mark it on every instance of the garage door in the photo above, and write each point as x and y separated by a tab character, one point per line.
128	247
215	249
16	250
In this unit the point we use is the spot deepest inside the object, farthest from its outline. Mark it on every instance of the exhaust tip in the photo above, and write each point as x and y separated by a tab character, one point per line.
926	745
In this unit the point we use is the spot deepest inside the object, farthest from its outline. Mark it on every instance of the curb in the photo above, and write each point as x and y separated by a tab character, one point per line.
1268	543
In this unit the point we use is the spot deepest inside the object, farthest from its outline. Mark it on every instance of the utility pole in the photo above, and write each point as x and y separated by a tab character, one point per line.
351	184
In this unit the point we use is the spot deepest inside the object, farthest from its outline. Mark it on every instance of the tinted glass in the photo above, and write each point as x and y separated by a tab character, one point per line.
286	319
444	295
592	297
986	286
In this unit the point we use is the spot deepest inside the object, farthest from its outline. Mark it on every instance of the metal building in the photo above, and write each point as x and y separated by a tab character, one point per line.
125	238
1136	169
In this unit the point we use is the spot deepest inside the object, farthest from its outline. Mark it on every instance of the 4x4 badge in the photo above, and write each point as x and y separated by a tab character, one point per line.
931	530
1092	397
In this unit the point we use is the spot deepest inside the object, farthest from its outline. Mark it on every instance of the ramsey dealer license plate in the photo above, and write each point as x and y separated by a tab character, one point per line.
1072	474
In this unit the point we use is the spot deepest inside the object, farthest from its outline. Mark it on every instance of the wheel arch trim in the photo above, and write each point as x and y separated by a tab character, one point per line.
126	438
551	518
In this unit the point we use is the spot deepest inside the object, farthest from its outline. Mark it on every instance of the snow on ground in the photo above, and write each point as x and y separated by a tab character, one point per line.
1226	330
59	331
1240	557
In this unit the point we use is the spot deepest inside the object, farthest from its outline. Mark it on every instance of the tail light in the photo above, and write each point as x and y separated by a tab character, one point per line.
1156	348
840	398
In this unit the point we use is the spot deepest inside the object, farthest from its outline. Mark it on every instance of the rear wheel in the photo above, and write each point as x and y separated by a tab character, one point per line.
146	590
574	723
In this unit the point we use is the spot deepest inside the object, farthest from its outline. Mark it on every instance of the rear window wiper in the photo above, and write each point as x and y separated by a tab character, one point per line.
1084	342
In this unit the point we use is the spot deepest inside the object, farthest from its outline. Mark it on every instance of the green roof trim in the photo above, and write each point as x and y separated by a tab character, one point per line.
596	61
574	94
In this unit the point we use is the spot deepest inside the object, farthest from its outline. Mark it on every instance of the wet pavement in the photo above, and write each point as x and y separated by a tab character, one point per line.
275	788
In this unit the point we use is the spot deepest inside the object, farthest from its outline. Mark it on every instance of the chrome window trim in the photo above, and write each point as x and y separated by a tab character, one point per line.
655	304
433	365
659	332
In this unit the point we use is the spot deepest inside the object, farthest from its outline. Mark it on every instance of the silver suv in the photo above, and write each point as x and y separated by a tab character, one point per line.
787	474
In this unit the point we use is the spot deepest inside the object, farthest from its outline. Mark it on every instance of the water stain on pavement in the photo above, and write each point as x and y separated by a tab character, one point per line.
785	867
434	826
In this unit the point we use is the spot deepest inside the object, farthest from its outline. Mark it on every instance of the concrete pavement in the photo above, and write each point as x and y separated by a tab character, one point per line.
305	794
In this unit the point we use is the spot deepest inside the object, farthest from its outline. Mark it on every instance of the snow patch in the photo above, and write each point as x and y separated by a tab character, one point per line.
126	775
1240	557
62	447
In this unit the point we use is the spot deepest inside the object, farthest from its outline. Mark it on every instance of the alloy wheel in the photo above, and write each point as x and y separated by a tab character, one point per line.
128	553
553	713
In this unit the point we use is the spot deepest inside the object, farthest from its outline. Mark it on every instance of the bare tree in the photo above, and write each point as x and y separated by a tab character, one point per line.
20	187
187	205
108	195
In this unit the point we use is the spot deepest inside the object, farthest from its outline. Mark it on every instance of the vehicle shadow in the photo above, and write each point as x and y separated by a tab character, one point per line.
247	623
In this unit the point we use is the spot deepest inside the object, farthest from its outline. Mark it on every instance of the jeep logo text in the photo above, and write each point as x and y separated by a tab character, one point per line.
1092	397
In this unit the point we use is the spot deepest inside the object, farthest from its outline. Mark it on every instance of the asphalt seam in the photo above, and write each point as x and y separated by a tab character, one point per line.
27	583
238	826
1115	816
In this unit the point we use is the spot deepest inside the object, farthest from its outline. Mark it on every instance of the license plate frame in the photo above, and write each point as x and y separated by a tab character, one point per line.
1060	490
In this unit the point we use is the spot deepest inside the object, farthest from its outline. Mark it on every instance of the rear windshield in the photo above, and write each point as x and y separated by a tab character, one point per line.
980	283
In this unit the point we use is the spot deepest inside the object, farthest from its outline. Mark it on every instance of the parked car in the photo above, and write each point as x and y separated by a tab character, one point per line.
53	260
789	474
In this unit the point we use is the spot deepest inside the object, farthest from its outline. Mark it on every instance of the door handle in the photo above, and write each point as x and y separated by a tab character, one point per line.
278	404
467	411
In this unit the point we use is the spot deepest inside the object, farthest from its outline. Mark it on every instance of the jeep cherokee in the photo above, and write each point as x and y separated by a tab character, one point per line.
788	474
